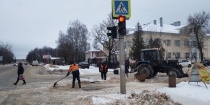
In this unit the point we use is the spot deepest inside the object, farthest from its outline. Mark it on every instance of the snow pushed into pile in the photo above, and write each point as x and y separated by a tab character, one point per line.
146	97
152	98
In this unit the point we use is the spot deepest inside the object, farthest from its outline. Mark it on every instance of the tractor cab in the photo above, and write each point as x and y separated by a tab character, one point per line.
151	62
150	54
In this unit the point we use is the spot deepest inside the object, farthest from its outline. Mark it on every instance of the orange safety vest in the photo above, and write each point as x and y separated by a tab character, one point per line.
73	67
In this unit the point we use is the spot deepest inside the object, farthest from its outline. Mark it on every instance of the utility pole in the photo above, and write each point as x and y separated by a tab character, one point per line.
121	10
122	33
122	65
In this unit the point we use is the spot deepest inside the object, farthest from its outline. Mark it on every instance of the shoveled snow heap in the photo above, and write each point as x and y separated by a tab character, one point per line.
144	98
152	98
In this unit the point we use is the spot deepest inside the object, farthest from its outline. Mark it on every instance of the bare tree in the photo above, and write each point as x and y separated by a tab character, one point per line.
6	53
37	54
64	47
71	46
198	24
101	40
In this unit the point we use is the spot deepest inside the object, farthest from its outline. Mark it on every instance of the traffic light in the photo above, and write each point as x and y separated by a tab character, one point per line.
122	25
113	30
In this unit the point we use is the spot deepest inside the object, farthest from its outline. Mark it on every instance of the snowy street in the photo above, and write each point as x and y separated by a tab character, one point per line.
39	89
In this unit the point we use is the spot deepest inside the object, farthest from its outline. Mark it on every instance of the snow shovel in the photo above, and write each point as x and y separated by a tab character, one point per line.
59	80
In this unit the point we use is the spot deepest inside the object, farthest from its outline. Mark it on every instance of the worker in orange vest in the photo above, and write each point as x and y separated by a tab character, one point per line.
74	69
103	69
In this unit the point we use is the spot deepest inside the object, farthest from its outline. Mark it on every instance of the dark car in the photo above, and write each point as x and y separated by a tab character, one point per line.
112	64
84	64
206	62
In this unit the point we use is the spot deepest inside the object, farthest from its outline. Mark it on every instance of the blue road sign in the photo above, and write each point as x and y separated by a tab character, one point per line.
121	7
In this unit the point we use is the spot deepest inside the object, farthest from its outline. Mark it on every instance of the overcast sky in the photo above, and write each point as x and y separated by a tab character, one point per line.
27	24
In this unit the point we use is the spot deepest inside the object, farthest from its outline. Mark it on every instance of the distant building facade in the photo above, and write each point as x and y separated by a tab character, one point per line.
94	56
174	39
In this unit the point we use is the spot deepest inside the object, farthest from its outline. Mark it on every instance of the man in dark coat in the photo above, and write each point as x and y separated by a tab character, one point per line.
20	74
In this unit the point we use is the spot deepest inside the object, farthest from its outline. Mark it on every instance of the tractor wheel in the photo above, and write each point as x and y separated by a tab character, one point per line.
155	73
189	66
206	65
146	69
174	72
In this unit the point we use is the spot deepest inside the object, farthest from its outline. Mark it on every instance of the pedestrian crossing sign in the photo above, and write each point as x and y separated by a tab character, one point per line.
121	7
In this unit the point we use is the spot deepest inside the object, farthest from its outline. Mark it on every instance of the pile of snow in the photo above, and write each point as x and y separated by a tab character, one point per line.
152	98
144	98
184	93
187	93
50	67
58	68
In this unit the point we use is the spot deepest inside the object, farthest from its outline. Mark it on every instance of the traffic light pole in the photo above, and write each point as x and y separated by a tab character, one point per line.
122	65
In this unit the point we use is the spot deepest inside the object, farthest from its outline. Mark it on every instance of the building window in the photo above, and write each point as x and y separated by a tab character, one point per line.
168	42
177	54
187	55
146	41
194	55
186	43
194	43
177	43
168	55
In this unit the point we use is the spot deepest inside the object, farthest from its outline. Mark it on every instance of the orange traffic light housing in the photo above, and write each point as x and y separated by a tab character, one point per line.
121	18
122	25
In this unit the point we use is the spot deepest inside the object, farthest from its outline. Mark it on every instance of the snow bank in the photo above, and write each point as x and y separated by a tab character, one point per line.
91	70
185	93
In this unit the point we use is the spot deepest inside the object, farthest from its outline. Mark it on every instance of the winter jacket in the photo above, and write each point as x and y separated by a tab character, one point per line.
20	69
127	66
74	68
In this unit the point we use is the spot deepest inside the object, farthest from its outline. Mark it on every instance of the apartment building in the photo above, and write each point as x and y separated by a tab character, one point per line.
206	50
174	39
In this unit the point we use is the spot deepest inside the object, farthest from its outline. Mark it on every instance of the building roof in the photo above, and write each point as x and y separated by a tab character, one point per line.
92	50
55	58
157	28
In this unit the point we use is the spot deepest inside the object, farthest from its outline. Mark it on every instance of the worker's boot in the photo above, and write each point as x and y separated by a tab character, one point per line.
79	85
73	84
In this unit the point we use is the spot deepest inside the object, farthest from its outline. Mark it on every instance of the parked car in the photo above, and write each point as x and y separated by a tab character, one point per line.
206	62
112	65
15	64
185	63
84	64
